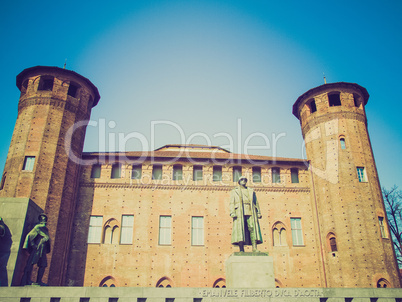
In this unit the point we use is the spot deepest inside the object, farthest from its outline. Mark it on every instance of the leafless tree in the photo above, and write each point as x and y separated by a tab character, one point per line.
393	206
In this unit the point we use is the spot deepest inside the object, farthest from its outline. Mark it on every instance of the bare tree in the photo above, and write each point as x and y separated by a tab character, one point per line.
393	206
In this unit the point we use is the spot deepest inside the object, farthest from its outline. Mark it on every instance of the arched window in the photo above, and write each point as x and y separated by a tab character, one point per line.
331	242
383	283
219	283
343	143
278	284
111	232
279	234
164	282
108	281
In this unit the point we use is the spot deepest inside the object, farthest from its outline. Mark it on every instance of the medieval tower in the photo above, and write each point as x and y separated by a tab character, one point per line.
43	159
353	232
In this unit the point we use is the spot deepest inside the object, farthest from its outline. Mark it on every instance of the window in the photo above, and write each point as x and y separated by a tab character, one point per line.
197	230
279	235
157	172
256	174
111	232
312	106
116	171
197	173
177	172
72	89
46	84
294	175
95	229
297	234
96	171
334	99
165	226
127	224
276	175
343	144
29	163
383	283
136	172
356	100
382	227
361	174
332	243
236	174
217	173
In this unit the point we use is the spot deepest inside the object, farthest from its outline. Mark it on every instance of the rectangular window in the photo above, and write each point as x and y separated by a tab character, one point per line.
256	174
276	175
297	233
382	227
46	83
127	224
72	90
236	174
29	162
334	99
217	173
361	174
116	171
197	173
157	172
294	175
95	229
313	107
165	230
197	230
96	171
136	172
177	172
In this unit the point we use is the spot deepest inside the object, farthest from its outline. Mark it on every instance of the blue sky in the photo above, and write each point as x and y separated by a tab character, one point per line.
203	68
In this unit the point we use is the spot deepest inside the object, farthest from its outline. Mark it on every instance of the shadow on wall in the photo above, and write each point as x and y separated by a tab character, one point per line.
78	254
5	251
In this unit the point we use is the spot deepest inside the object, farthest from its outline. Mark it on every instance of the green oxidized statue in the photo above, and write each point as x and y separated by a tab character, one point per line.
245	211
37	243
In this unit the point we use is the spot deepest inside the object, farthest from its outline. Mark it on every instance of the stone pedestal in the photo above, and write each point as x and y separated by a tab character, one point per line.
19	216
250	270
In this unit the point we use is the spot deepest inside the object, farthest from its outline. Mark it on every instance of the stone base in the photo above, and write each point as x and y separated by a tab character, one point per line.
250	270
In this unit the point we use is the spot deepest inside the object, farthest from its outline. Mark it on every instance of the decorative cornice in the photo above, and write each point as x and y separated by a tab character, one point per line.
50	101
333	115
190	187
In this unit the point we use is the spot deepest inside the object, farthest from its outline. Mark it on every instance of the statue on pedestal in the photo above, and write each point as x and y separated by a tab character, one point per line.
245	211
37	243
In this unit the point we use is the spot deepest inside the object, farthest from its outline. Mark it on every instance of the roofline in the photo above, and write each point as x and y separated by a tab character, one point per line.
26	71
234	157
192	146
326	87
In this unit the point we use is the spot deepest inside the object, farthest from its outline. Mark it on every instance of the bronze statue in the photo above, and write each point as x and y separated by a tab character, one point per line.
245	211
37	243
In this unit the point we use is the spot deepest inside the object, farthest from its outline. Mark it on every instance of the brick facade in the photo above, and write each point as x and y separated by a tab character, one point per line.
321	221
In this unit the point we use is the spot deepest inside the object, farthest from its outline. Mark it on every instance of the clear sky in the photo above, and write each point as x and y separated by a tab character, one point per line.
220	72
